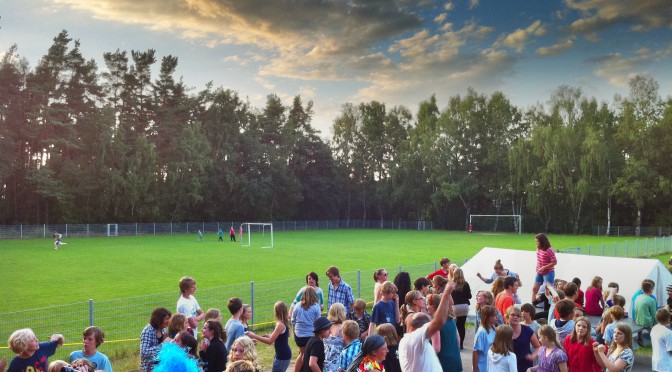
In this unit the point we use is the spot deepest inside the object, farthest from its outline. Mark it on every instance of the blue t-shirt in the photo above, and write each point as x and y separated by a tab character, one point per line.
37	362
383	312
482	344
99	360
234	329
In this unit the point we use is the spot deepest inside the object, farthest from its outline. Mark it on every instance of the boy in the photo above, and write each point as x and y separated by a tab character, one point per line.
645	310
188	305
234	327
313	356
93	337
387	309
565	325
31	355
359	315
352	345
661	342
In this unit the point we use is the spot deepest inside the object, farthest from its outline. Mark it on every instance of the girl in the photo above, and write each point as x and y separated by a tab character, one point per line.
579	348
334	343
497	286
594	301
552	357
500	356
546	262
461	296
178	323
485	298
379	277
620	357
243	349
439	283
373	353
303	318
312	280
245	316
528	311
389	333
485	336
152	336
213	351
412	304
279	338
523	337
499	271
213	314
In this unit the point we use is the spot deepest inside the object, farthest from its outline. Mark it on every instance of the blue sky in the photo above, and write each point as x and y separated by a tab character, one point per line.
397	52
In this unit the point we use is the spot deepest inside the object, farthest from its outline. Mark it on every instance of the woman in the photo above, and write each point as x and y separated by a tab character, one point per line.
594	301
485	336
178	323
279	338
213	351
305	313
379	277
312	280
461	296
620	357
152	336
579	348
374	351
499	271
413	303
243	349
445	342
523	337
334	343
389	333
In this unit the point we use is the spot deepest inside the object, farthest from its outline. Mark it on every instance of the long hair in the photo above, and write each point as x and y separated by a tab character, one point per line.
627	332
159	313
595	283
281	313
377	274
389	333
544	243
403	283
309	298
550	334
458	278
503	343
575	335
176	323
486	312
313	275
212	313
336	313
217	330
497	286
408	303
487	296
498	265
249	353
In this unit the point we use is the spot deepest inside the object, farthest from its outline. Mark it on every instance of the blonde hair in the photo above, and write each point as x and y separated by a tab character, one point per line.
281	313
458	278
250	353
388	287
212	314
57	366
351	329
489	299
509	311
549	333
176	323
20	339
309	298
336	313
241	366
503	343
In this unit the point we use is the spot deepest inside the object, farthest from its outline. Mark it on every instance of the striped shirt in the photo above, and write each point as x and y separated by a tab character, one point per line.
348	354
545	257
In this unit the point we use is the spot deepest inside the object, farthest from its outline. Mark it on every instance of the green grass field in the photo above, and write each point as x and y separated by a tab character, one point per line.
145	271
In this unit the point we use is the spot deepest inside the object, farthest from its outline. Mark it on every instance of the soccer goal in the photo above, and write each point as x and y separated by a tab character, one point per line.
496	223
112	229
257	234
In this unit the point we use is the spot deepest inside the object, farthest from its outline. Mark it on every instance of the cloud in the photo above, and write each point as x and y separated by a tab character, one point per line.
519	38
600	15
557	48
441	18
618	70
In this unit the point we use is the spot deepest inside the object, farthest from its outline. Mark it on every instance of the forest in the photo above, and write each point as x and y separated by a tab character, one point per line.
84	144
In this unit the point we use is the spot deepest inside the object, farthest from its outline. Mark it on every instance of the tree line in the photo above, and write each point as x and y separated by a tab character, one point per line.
79	144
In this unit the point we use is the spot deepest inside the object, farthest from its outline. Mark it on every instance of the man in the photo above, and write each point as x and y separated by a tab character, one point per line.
505	299
339	291
188	305
661	342
234	327
416	354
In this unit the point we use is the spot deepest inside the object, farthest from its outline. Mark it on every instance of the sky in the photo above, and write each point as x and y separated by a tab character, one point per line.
350	51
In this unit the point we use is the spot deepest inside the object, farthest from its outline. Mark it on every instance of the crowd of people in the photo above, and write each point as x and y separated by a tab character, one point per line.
413	326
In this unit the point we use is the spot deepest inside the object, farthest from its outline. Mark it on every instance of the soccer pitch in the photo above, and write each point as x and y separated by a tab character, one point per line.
36	275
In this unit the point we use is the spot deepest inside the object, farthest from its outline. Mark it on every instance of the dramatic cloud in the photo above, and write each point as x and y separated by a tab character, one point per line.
599	15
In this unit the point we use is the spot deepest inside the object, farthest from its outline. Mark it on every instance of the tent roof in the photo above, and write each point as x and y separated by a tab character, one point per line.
627	272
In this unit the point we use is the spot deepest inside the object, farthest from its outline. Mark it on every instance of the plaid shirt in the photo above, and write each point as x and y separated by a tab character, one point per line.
348	354
342	294
149	347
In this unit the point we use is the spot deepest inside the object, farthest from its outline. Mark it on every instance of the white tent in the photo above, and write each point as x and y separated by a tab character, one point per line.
627	272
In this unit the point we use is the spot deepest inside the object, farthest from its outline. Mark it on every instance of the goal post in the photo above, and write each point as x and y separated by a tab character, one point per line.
497	222
112	229
257	233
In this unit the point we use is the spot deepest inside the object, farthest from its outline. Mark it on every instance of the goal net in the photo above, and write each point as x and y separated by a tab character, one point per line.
496	223
112	229
258	234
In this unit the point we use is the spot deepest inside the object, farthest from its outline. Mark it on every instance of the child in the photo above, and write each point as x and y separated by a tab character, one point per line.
188	305
279	338
661	342
500	356
359	315
552	357
563	326
528	312
616	313
246	316
30	353
313	358
93	338
485	336
389	333
579	348
387	309
620	356
352	345
578	300
608	295
546	262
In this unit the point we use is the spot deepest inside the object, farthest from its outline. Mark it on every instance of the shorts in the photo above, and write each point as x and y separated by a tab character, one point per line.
549	277
301	341
280	365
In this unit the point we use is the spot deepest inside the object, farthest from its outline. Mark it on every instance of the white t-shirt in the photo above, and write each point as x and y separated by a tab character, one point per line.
189	307
416	354
661	343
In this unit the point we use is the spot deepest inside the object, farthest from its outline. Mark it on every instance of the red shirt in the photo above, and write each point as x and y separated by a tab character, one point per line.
580	357
545	257
438	272
503	302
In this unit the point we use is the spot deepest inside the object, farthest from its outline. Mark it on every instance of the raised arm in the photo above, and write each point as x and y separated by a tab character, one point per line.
442	312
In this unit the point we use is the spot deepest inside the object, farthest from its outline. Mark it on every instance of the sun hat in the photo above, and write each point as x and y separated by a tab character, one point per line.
321	323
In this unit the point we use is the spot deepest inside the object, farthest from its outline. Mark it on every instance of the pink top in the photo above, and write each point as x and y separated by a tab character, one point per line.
545	257
593	296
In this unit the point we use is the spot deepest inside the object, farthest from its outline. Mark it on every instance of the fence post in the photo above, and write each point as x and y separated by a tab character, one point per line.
252	301
91	312
655	245
434	265
154	229
21	229
66	230
359	284
399	269
136	229
44	231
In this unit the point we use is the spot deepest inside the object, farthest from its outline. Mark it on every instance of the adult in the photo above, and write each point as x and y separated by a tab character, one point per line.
594	302
579	348
412	304
439	283
524	340
446	341
303	317
334	342
546	262
243	349
403	282
370	358
234	327
389	333
505	299
661	342
620	356
443	271
188	305
415	350
152	336
380	276
312	280
279	338
500	271
213	351
339	291
246	316
461	296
